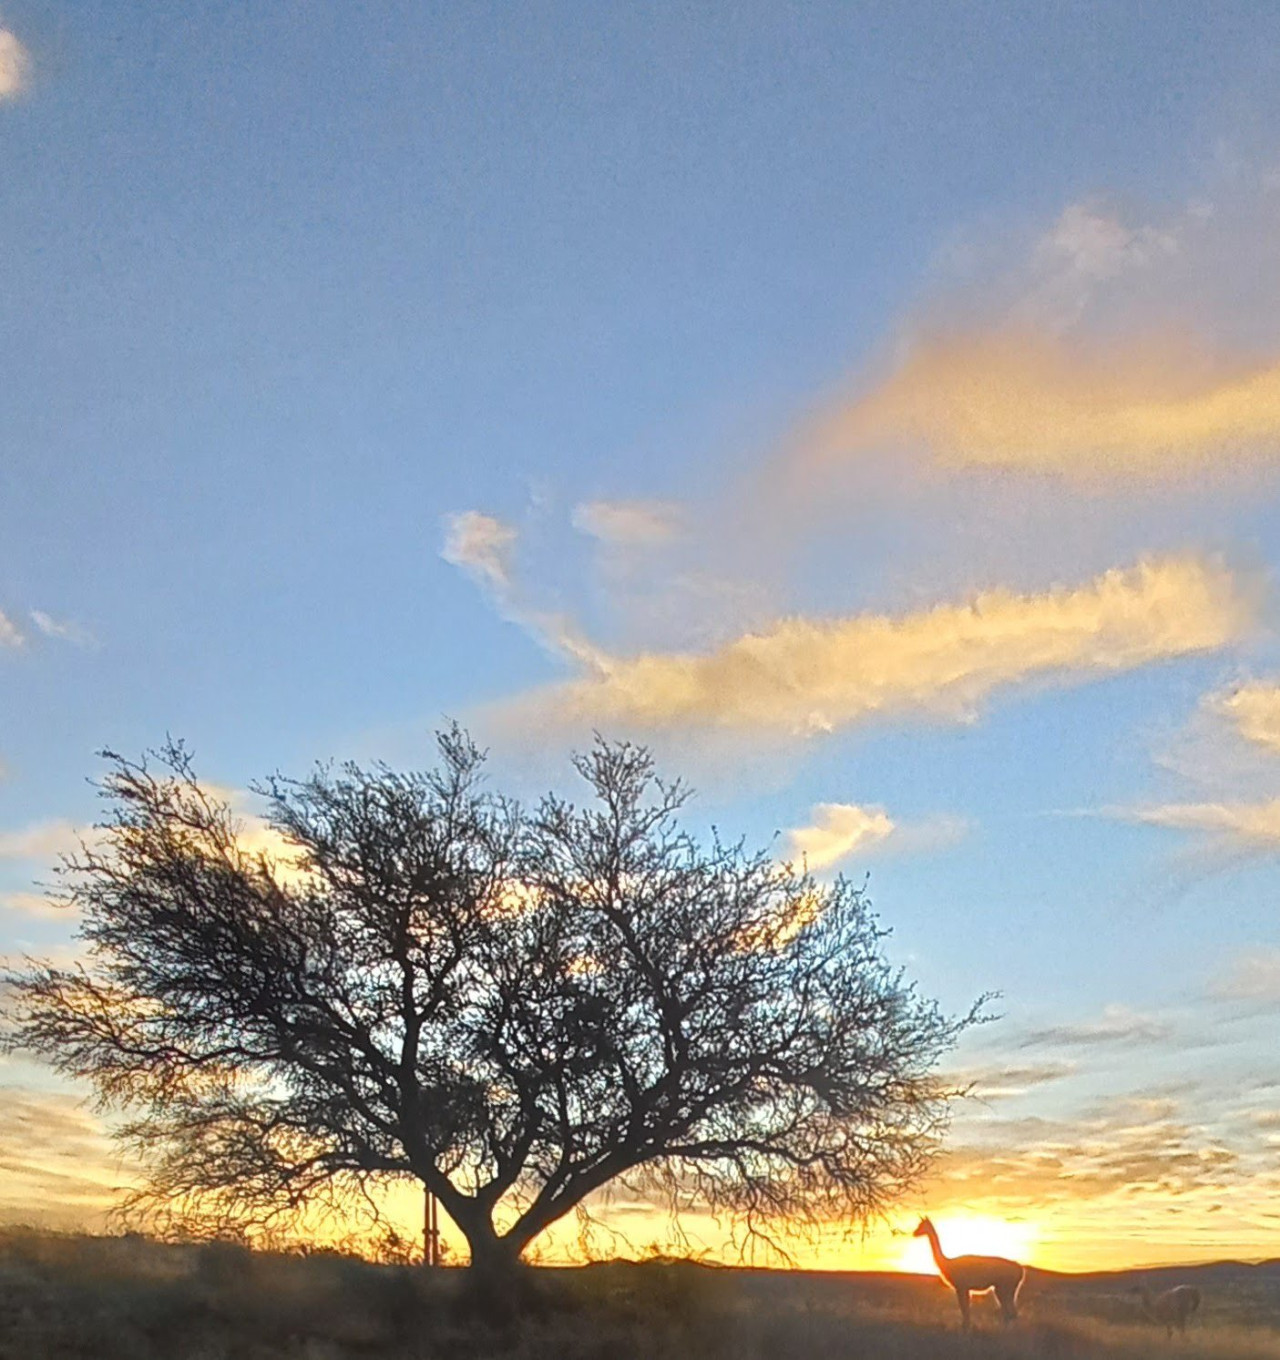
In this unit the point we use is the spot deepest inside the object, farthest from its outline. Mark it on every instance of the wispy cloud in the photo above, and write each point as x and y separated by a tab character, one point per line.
999	1081
1089	245
33	904
10	634
1089	354
484	547
1227	754
1131	1144
58	1164
15	65
42	841
1253	976
1233	826
804	676
630	524
1116	1026
64	630
1254	710
1100	349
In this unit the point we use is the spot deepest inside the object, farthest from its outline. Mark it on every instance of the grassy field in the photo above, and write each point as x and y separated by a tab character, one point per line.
128	1299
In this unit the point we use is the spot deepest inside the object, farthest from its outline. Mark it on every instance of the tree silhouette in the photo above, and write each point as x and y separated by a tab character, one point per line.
513	1006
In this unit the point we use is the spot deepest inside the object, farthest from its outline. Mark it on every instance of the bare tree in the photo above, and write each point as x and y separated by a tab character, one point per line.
515	1007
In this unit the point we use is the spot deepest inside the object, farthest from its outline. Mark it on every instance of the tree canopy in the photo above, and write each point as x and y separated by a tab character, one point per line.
515	1006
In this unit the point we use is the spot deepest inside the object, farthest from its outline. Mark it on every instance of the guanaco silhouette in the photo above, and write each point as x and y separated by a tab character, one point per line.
976	1275
1172	1308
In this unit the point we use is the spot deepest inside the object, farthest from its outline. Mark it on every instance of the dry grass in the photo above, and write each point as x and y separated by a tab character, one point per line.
118	1298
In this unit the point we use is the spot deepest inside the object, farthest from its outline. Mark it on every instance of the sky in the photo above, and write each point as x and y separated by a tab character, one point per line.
874	409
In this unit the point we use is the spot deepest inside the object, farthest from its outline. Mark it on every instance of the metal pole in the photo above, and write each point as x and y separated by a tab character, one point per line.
431	1231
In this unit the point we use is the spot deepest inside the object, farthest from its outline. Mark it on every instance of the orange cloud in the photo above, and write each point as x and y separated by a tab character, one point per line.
1022	399
802	676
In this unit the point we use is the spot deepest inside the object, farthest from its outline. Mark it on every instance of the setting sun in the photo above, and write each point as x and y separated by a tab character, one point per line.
964	1234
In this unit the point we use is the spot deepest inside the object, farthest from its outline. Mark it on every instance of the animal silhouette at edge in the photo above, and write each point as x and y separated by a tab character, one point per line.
1170	1309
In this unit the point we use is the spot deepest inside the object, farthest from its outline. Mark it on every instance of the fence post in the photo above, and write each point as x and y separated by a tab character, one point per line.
431	1231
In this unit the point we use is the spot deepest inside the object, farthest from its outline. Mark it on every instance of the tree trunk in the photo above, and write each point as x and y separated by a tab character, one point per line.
498	1282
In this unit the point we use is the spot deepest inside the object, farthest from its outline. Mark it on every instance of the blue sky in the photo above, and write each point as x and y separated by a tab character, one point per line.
365	366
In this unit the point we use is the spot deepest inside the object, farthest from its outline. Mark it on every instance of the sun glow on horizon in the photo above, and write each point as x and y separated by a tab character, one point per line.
967	1234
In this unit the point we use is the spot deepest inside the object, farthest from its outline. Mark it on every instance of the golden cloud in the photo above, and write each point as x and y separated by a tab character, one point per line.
1027	400
838	829
802	676
58	1165
1246	826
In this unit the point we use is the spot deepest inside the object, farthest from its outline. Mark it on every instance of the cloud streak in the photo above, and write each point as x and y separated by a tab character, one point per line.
1239	826
1003	1081
15	65
63	630
1029	401
34	904
58	1164
804	676
1117	1026
628	524
52	841
1253	977
42	841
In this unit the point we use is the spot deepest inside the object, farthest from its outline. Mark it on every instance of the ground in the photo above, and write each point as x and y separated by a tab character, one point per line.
112	1298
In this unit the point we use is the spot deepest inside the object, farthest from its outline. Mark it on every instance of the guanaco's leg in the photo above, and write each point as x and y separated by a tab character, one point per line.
962	1298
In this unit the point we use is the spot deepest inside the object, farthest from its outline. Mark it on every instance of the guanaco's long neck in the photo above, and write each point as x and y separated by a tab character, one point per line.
936	1247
